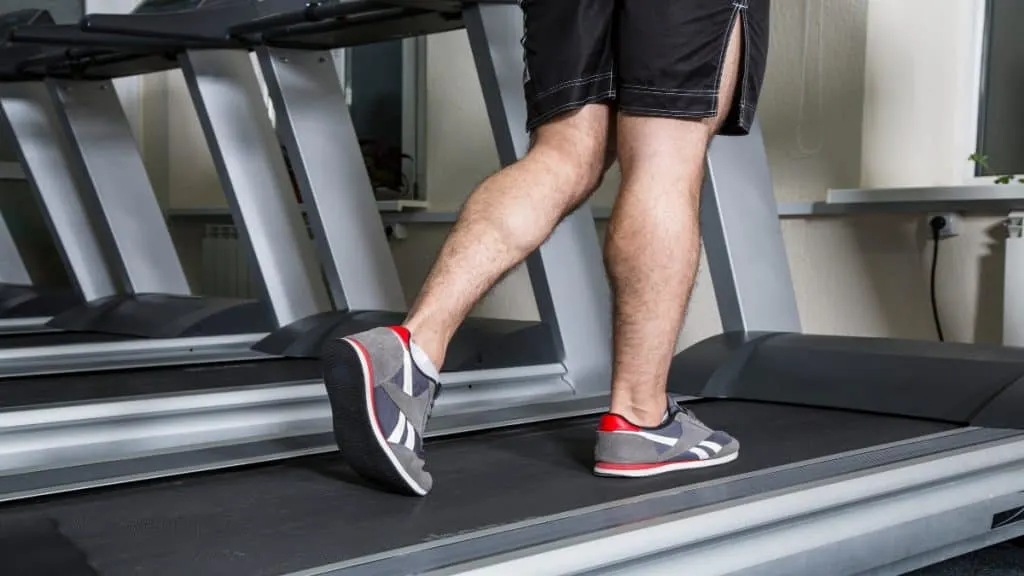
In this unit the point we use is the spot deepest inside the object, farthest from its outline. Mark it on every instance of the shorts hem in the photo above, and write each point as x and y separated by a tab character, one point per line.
568	96
687	105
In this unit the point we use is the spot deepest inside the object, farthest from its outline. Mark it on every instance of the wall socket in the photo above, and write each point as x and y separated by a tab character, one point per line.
950	229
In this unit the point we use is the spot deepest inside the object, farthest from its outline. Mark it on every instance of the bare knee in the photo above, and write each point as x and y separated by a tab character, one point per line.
573	149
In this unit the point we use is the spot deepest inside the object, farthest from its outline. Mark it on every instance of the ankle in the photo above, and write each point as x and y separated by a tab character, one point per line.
430	343
646	414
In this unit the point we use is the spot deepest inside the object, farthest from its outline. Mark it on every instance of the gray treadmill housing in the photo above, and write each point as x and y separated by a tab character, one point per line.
81	137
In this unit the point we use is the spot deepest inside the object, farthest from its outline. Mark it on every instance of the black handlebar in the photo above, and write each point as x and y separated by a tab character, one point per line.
206	26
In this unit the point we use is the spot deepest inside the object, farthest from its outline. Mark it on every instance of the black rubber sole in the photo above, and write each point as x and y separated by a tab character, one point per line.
355	427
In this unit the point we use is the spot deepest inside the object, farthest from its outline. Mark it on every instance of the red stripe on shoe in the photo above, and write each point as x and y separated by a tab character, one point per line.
654	466
403	333
616	423
361	350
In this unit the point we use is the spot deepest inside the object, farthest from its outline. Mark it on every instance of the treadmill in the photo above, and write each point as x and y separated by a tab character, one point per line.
859	455
133	305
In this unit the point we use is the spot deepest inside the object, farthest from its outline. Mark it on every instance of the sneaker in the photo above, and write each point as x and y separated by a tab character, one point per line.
382	388
682	443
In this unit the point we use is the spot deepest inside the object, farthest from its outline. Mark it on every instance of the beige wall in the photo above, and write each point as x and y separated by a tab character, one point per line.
879	125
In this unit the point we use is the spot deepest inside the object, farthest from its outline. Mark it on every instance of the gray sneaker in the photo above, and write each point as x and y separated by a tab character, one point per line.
682	443
380	401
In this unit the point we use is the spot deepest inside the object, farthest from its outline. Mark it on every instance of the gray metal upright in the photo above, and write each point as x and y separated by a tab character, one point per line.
316	126
567	271
30	113
12	266
743	238
246	153
101	143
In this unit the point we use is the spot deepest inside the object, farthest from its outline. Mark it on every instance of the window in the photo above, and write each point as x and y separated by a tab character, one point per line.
1000	111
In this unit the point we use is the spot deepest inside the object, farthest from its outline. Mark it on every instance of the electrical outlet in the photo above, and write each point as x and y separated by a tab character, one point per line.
951	225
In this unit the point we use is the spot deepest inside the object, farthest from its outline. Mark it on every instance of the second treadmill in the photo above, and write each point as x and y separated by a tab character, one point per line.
133	306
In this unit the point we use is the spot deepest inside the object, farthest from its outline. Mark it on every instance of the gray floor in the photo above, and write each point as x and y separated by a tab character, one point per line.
1002	560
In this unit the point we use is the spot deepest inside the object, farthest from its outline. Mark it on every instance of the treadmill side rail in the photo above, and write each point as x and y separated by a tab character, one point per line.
127	354
948	382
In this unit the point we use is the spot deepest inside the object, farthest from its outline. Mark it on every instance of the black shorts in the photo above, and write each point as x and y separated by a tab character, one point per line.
648	57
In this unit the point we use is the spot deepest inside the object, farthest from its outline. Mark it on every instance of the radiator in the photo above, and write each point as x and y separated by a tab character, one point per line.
226	270
226	264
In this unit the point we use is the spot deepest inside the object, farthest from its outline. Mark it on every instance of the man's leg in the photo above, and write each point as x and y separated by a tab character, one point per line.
382	383
653	241
653	245
506	218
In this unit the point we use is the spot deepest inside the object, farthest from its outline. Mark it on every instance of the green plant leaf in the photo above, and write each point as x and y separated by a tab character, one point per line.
1004	179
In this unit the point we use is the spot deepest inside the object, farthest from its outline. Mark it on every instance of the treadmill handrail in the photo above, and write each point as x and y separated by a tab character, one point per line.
167	26
69	35
348	24
311	12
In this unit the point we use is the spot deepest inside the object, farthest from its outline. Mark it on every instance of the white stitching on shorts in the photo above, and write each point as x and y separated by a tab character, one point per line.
641	88
570	105
673	113
571	83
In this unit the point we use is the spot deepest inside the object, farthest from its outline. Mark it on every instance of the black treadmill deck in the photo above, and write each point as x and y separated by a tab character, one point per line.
109	385
304	513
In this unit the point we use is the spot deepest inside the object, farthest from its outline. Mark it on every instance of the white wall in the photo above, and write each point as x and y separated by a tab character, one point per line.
861	276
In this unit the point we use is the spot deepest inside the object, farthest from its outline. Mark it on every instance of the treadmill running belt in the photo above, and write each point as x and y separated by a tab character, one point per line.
304	513
76	387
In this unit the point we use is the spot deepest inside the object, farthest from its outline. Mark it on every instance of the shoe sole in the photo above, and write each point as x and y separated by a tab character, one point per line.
633	471
348	376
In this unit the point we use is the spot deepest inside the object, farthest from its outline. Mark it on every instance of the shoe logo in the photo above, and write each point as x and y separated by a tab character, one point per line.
403	432
705	449
666	440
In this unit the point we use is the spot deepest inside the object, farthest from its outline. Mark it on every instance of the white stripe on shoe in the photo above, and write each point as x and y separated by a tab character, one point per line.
410	436
666	440
713	446
396	434
699	453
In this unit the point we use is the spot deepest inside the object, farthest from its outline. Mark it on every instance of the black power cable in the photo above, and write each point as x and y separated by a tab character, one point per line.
937	223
